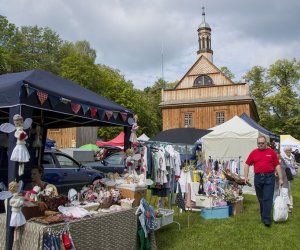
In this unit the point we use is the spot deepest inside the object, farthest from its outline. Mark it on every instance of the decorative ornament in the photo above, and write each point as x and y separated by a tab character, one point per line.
93	112
108	114
20	152
124	116
75	107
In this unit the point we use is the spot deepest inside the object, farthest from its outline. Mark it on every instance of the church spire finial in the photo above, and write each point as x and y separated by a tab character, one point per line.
203	14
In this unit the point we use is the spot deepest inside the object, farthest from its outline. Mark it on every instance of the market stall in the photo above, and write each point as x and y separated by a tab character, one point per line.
47	101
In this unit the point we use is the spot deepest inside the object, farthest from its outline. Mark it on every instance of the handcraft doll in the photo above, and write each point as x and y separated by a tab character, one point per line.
134	128
20	152
16	202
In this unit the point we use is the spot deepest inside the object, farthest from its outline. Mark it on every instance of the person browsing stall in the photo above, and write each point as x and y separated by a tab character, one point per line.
36	179
265	162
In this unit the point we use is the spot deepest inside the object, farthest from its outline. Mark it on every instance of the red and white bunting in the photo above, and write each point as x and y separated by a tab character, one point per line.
42	96
75	107
93	112
124	116
108	114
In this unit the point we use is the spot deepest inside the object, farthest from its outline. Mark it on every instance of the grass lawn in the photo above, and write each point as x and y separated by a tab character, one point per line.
243	231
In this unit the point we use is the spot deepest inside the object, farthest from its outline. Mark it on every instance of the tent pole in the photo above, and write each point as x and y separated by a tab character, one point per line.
11	176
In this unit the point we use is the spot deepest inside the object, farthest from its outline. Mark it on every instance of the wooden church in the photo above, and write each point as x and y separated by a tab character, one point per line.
205	97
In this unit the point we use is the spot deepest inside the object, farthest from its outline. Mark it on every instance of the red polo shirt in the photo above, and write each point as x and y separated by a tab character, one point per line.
264	161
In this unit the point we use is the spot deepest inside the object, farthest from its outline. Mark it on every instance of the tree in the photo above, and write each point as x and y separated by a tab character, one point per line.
274	91
227	72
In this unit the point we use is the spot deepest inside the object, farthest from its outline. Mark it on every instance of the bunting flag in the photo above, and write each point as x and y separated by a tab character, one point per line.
75	107
108	114
115	115
29	90
101	114
54	100
179	199
93	112
85	108
42	96
124	116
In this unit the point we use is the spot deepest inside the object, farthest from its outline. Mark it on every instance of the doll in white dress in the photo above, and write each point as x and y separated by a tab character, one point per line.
134	128
16	202
20	152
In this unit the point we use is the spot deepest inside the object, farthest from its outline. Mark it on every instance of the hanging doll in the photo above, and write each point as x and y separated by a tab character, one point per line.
134	128
37	144
20	152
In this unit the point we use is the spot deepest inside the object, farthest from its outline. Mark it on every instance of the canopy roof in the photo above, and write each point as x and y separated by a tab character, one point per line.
180	135
255	125
289	141
64	103
118	141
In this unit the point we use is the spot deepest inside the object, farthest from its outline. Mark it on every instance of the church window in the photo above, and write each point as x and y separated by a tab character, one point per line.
203	80
188	120
220	117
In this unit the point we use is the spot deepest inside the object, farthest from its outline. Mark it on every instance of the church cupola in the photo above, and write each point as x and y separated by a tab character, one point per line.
204	38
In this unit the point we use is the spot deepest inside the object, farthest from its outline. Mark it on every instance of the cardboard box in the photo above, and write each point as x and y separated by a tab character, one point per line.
215	212
237	207
205	201
136	194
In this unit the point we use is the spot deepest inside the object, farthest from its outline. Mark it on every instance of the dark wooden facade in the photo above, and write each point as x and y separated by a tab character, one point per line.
205	97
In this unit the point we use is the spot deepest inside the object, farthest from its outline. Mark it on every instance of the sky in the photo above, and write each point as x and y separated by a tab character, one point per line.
150	39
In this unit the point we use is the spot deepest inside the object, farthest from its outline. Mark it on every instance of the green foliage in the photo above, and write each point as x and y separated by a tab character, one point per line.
275	92
227	72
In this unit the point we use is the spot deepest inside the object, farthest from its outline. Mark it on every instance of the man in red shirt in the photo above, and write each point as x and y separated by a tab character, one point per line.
265	162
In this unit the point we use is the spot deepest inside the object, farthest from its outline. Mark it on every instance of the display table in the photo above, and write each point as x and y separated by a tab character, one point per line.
116	230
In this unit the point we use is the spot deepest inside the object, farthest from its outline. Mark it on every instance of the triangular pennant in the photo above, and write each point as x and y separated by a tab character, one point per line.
42	96
75	107
93	112
29	90
108	114
115	114
101	114
85	108
54	100
124	116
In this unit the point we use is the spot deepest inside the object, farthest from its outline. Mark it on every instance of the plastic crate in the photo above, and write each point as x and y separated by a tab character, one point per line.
167	216
215	212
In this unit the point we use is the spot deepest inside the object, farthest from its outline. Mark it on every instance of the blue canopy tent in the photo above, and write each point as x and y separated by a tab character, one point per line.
255	125
53	102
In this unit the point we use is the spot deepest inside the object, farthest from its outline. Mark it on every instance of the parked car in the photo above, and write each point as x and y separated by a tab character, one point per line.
65	172
114	163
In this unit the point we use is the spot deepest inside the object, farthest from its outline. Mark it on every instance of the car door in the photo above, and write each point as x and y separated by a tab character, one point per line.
74	175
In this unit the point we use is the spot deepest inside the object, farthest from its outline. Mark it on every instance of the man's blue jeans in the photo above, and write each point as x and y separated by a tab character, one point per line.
264	187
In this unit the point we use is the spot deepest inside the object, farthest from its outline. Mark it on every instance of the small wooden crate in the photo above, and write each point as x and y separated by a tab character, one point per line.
137	194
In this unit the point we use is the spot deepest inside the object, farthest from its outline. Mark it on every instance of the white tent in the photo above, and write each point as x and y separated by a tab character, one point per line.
231	140
143	137
289	141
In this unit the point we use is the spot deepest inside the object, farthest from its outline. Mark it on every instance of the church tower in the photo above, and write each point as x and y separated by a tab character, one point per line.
204	38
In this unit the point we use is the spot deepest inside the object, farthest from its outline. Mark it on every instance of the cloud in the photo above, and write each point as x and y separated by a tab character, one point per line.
130	35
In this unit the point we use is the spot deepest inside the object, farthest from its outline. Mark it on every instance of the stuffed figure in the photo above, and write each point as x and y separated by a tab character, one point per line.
134	128
50	191
33	194
20	152
129	163
37	144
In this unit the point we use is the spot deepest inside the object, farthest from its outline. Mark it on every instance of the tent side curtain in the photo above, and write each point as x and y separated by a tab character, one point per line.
257	126
118	141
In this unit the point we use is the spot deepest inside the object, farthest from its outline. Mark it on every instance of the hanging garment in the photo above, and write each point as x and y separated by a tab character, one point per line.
179	199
